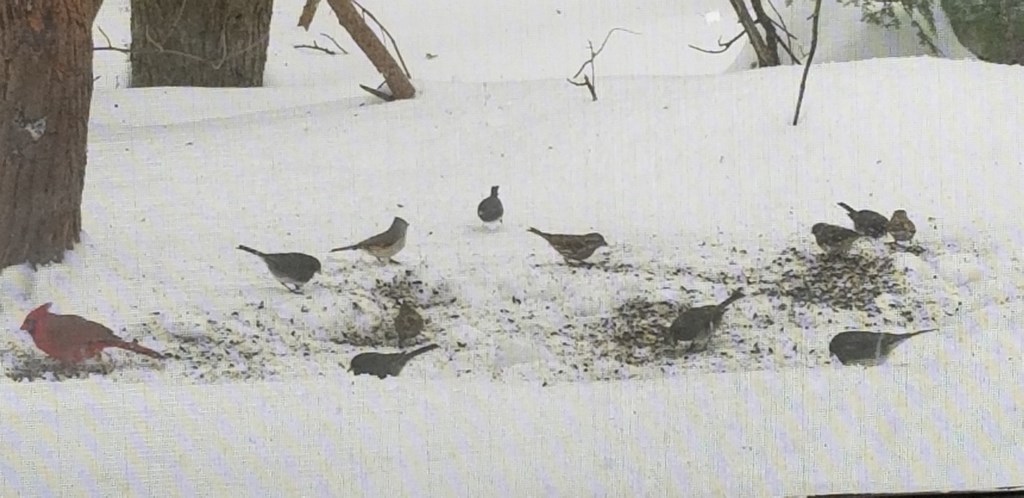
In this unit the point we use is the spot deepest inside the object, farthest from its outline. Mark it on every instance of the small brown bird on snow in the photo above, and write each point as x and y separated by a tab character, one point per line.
834	239
408	323
866	221
384	245
573	247
900	226
697	324
867	349
385	364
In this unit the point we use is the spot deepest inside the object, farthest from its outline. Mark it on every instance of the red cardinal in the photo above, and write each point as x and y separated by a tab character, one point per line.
72	339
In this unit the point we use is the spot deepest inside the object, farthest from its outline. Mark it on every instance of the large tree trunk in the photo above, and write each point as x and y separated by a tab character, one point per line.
45	92
208	43
374	49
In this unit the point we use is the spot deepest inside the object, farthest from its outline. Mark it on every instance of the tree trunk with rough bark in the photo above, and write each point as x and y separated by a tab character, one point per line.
765	56
374	49
45	93
202	43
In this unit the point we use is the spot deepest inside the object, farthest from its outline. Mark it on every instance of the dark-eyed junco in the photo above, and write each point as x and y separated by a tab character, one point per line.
866	221
490	209
867	348
384	245
834	239
900	226
697	324
292	268
385	364
408	323
573	247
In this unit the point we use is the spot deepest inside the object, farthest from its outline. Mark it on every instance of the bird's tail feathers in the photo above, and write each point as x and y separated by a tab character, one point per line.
538	232
250	250
346	248
424	349
736	294
912	334
137	348
847	207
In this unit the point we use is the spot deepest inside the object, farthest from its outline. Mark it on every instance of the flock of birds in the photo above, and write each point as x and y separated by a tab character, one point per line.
71	339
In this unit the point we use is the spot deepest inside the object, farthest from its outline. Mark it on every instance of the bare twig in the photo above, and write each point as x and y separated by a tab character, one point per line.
398	53
110	46
314	46
591	80
810	57
722	46
335	42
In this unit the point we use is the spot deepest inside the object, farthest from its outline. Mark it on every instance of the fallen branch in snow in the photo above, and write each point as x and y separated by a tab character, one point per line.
590	81
386	97
807	68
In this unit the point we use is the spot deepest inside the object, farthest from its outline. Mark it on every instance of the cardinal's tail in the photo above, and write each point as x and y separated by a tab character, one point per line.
137	348
847	207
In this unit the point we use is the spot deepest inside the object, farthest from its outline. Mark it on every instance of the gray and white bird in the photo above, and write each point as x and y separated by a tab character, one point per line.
294	268
385	364
900	226
866	221
572	247
384	245
867	349
834	239
408	323
490	209
697	324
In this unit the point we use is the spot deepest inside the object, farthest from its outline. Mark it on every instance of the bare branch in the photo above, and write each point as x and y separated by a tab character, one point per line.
110	46
807	68
314	46
722	46
591	80
308	11
335	42
367	13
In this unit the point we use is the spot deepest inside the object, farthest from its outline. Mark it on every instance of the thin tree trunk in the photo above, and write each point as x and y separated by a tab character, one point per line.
204	43
765	57
374	49
770	35
810	57
45	93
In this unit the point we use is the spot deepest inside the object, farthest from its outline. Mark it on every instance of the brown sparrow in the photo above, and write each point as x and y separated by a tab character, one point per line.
697	324
385	364
384	245
834	239
866	221
573	247
408	323
900	227
867	349
292	268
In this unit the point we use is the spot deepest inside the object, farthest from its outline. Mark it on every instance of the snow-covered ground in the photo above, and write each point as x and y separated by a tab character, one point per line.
551	380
